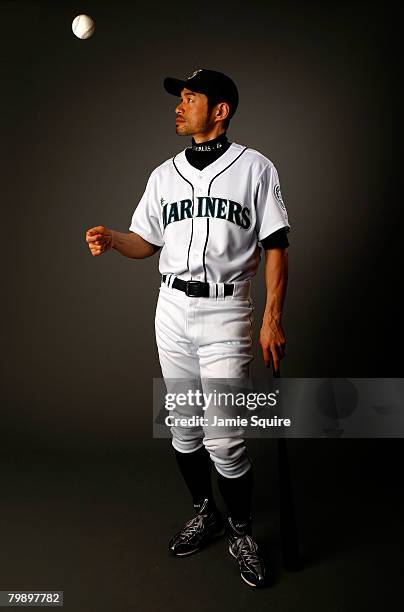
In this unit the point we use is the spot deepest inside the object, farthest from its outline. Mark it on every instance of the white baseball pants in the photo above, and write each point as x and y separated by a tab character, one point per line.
198	339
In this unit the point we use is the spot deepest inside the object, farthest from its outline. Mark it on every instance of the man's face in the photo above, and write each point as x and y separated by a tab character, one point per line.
192	113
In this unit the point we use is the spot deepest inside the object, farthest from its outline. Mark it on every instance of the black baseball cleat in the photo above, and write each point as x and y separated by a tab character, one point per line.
205	526
243	548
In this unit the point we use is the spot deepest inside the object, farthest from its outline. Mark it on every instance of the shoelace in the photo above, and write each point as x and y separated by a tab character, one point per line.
248	548
192	526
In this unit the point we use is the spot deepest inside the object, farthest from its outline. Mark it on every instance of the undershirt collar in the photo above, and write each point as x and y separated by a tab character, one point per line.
210	145
201	154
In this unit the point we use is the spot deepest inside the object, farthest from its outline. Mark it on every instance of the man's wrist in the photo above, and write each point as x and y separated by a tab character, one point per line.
272	316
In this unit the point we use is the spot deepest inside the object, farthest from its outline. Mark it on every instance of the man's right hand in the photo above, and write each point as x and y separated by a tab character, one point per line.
99	239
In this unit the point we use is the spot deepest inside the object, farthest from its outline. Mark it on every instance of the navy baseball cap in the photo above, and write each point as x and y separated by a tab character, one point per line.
209	82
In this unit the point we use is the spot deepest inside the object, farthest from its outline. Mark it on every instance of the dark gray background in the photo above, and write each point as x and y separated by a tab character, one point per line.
87	122
83	125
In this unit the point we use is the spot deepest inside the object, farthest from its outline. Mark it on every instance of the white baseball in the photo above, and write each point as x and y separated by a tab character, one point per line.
83	26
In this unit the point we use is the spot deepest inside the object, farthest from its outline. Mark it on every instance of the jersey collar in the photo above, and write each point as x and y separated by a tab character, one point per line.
192	174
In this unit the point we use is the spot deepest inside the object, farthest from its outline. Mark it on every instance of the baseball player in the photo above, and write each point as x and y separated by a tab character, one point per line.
212	210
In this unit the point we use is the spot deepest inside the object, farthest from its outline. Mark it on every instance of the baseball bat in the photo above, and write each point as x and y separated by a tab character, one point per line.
288	526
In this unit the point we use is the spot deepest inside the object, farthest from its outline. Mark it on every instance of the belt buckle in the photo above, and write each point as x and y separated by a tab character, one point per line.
193	288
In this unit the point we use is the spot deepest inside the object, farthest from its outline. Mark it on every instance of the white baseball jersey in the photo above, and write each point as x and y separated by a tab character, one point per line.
208	222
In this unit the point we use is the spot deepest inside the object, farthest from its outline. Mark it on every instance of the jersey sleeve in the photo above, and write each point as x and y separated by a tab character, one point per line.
271	214
146	220
277	240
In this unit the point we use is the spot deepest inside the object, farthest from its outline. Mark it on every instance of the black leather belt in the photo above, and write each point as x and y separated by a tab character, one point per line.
194	288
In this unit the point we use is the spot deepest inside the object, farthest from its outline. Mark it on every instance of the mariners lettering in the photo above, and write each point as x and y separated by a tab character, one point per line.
219	208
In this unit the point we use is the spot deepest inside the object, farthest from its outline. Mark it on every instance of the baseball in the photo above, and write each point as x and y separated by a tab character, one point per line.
83	26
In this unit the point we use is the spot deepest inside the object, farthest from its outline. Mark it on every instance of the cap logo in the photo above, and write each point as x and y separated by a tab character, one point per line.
194	74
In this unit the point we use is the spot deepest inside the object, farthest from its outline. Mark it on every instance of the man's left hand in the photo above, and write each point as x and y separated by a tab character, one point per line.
273	343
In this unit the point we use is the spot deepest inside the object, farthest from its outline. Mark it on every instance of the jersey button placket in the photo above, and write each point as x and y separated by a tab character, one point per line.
204	225
199	233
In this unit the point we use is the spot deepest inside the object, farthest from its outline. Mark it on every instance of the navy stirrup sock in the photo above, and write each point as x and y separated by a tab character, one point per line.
196	469
237	494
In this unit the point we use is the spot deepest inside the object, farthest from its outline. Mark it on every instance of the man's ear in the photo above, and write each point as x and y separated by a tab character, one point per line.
222	111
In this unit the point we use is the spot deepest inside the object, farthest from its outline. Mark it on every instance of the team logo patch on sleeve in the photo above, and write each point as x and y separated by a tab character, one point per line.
278	196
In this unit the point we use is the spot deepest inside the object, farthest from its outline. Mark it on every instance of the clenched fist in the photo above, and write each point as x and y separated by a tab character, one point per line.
99	239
